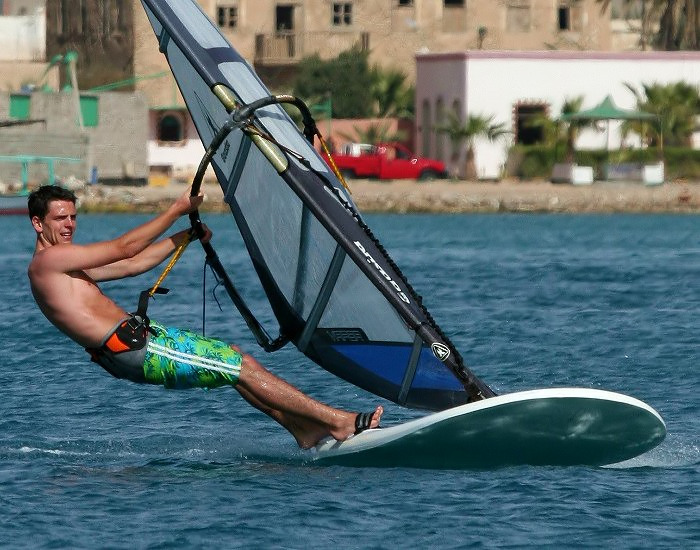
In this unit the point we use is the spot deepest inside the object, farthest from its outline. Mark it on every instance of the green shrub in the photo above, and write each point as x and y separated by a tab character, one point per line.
537	161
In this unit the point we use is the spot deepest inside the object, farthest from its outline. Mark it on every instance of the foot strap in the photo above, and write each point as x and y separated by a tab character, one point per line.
363	421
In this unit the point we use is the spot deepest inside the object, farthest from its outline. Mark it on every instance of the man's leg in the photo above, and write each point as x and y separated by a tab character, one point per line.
179	358
306	419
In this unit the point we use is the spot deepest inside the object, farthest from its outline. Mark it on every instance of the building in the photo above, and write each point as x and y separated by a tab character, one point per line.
512	86
109	147
116	45
114	42
101	32
23	44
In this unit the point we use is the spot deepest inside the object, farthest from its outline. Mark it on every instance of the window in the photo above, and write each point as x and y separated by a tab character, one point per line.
528	131
564	18
570	16
405	3
227	16
90	110
63	18
518	15
170	127
82	23
454	3
426	129
440	136
457	111
19	106
342	14
106	17
284	18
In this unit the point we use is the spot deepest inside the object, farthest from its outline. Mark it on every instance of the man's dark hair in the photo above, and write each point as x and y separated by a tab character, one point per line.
39	199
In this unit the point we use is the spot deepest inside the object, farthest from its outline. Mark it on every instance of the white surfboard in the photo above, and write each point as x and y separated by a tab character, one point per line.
556	426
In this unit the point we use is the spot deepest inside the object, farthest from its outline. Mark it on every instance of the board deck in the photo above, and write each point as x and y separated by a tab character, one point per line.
555	426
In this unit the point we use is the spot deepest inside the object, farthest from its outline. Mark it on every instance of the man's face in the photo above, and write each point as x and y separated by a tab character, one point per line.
59	224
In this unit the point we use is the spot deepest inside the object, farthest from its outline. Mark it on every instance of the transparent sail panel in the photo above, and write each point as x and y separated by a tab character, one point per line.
296	249
356	302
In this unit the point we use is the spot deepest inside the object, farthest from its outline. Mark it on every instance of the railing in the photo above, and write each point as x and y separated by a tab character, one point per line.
26	160
288	47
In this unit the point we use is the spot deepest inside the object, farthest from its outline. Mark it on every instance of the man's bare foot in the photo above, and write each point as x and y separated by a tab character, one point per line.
347	427
308	433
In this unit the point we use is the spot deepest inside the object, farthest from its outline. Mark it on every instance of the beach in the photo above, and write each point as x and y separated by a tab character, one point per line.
440	196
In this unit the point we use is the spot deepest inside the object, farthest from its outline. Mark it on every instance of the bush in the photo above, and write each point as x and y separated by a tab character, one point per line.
537	161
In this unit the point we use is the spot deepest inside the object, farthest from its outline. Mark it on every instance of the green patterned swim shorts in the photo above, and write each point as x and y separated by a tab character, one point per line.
181	359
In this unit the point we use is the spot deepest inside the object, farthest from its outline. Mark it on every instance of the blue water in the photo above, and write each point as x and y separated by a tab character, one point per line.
609	302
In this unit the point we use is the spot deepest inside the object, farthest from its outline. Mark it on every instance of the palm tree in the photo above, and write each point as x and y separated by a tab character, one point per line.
392	97
676	106
556	132
467	132
678	22
373	134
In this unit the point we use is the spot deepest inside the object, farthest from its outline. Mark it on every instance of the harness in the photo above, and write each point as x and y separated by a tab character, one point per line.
128	339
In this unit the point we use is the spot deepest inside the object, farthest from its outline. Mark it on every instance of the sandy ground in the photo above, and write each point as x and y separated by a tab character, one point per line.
440	196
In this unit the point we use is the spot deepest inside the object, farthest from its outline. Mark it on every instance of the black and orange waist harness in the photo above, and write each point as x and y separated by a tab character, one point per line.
122	353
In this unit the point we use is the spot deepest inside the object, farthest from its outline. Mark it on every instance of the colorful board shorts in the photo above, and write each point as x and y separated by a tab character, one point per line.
175	358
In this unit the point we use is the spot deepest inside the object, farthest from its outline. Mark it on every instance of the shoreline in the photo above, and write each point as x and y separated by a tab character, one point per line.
439	196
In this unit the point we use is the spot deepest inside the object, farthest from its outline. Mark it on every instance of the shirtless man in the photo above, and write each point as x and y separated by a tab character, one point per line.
64	280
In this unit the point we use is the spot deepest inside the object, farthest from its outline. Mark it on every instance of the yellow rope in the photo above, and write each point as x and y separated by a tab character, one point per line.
333	165
176	256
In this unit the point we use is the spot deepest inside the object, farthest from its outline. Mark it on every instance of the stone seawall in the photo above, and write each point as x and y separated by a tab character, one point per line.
438	197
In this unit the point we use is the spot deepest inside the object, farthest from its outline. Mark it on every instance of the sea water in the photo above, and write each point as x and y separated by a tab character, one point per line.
531	301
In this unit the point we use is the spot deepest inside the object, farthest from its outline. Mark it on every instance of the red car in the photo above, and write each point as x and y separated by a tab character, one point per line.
385	161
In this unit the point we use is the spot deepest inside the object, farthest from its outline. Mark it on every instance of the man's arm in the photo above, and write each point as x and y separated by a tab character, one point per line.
68	257
145	260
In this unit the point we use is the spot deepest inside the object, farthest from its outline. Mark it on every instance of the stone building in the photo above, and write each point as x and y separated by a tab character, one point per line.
110	147
116	45
22	44
101	32
114	40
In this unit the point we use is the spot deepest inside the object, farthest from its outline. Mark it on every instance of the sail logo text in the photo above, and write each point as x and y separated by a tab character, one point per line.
371	260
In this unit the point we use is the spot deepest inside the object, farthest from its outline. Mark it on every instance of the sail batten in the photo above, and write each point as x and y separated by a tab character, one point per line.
333	289
322	299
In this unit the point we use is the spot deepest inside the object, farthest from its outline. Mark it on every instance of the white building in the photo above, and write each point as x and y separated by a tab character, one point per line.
23	33
513	85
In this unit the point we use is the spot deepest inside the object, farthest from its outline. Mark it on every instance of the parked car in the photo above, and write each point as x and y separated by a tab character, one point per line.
385	161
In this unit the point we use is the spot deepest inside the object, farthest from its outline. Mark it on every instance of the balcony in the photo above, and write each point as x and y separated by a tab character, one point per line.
289	47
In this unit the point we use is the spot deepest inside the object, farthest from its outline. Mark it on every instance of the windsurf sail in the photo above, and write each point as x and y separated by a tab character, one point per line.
335	292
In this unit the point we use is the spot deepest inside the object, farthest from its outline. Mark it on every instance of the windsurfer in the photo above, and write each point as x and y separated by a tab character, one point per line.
64	278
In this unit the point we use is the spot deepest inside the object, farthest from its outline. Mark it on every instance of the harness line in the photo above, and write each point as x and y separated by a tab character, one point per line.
176	256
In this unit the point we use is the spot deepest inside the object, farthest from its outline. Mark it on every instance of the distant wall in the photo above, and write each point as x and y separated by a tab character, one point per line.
115	146
23	37
496	82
